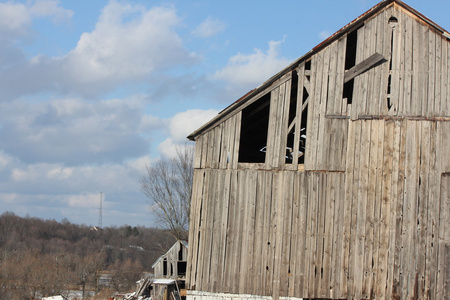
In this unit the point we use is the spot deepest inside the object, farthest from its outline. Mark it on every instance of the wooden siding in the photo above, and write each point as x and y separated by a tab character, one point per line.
416	57
177	254
366	215
375	229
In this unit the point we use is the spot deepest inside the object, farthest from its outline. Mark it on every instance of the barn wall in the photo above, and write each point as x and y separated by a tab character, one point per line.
327	234
172	260
414	79
365	214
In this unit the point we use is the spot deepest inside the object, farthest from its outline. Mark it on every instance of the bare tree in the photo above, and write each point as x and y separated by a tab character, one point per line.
168	185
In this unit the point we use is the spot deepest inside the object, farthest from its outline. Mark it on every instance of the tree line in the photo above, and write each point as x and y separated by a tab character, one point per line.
44	257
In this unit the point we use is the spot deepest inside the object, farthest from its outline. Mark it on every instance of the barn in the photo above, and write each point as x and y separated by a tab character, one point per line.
170	273
331	180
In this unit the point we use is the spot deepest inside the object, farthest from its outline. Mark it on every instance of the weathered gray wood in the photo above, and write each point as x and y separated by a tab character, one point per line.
329	237
298	117
235	155
363	66
367	182
333	85
393	46
385	208
296	235
365	216
443	276
438	78
288	194
198	153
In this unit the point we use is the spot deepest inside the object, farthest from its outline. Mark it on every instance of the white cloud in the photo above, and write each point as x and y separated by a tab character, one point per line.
209	28
5	160
252	69
15	18
9	198
183	124
90	200
122	50
128	45
51	8
76	132
139	164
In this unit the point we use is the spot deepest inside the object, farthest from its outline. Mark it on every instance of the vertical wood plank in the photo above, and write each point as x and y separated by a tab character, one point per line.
423	70
329	236
322	142
433	215
431	72
213	279
225	144
296	245
288	198
313	112
408	36
332	84
298	116
301	263
396	205
443	270
370	208
235	156
416	84
278	231
260	232
361	204
358	89
310	130
438	78
422	205
385	208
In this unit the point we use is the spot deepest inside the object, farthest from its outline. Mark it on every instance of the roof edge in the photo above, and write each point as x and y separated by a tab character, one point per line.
355	23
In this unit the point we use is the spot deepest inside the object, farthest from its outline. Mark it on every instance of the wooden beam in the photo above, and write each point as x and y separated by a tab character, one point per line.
363	66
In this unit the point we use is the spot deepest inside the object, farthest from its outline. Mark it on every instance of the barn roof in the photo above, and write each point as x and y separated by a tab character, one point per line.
347	28
182	242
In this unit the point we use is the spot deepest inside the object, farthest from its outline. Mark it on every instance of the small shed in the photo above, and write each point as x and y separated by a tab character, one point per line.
173	263
170	273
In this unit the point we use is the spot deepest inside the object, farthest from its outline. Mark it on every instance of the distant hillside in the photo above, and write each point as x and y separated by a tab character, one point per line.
62	254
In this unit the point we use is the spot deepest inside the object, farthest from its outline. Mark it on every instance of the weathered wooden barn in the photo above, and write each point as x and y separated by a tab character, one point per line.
173	263
170	273
331	180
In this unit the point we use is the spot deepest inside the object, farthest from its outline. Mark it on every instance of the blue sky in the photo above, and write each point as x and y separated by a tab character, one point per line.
93	91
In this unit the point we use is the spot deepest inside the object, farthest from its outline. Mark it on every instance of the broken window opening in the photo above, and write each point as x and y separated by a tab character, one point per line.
348	91
165	267
254	129
293	101
182	267
392	23
350	62
180	253
302	141
292	115
389	104
297	132
304	118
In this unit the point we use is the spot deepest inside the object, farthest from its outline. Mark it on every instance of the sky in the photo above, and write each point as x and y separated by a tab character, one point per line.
92	92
